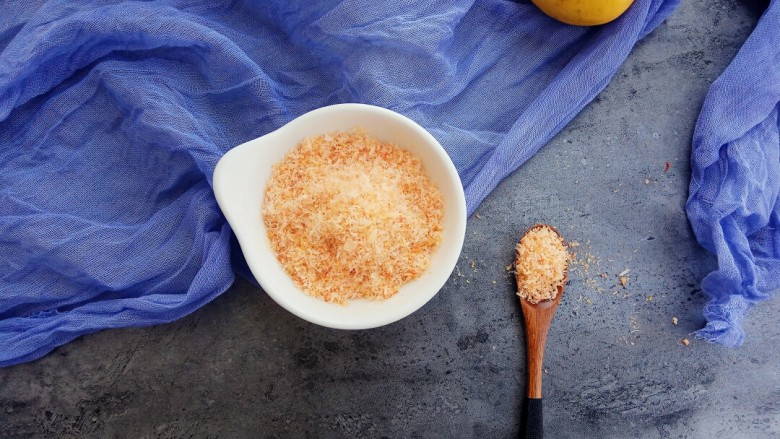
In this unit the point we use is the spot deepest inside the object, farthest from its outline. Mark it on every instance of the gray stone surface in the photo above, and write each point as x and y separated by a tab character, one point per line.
616	368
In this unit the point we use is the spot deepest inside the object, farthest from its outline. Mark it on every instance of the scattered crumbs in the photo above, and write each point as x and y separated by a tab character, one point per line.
468	281
650	298
588	301
472	264
582	260
685	342
493	282
586	268
621	293
457	268
647	181
633	323
667	166
674	320
478	216
546	370
508	267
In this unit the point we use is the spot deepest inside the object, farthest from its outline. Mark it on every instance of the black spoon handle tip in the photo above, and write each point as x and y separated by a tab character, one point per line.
533	424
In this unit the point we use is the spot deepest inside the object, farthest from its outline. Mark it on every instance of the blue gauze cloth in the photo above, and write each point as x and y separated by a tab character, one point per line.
113	116
734	200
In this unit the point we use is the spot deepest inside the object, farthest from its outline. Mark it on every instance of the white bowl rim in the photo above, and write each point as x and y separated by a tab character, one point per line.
458	209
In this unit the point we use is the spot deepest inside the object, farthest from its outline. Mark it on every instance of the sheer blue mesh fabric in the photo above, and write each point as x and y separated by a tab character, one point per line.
734	201
114	114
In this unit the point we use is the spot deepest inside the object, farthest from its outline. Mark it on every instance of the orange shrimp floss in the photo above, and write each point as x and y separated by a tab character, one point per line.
352	217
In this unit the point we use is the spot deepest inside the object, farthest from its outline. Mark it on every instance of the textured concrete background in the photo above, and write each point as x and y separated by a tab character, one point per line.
616	368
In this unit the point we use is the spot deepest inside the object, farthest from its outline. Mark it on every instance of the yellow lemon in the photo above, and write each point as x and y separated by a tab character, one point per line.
583	12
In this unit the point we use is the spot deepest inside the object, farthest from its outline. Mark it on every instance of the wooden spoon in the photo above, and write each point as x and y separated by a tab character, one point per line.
538	318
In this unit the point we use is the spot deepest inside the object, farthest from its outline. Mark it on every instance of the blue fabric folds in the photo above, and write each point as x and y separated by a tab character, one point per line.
113	115
734	200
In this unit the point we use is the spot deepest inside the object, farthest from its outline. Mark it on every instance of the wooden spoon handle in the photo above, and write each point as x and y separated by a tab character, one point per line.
538	319
535	342
535	346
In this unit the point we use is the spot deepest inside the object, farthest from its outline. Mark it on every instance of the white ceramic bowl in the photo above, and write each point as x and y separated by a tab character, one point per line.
240	179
